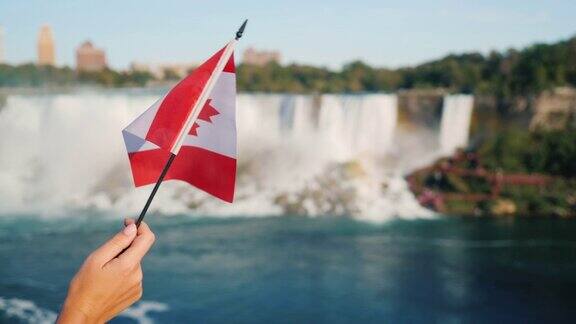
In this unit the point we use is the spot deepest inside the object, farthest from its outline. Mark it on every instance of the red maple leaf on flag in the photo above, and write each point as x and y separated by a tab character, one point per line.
207	112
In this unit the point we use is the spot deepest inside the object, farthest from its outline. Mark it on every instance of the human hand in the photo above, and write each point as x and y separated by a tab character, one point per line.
110	280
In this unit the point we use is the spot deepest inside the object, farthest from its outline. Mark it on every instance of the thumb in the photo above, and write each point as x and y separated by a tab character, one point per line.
115	245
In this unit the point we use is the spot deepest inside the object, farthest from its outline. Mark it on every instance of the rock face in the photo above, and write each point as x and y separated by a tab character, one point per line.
422	107
555	109
332	193
502	207
2	101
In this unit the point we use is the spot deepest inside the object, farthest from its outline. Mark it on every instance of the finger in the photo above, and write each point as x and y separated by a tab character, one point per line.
115	245
140	245
128	221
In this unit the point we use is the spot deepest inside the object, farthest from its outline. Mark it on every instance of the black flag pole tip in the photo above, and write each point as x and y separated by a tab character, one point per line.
241	29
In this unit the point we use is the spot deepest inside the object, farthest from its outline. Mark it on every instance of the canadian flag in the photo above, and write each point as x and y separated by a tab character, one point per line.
196	121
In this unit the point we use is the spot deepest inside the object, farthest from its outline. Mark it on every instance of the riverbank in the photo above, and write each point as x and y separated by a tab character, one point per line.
515	173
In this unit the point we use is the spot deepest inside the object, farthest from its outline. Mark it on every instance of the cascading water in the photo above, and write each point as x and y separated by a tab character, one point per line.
298	154
360	124
455	124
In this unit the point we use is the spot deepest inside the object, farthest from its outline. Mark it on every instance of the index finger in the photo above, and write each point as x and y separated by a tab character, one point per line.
140	246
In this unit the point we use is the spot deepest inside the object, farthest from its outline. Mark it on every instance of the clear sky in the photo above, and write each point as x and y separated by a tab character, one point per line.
327	33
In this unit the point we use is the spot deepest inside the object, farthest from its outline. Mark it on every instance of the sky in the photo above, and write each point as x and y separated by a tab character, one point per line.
323	33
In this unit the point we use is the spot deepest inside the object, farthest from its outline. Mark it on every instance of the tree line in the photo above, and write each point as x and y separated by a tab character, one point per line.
31	75
504	74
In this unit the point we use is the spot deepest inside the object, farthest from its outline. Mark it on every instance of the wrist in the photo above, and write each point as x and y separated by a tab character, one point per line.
73	314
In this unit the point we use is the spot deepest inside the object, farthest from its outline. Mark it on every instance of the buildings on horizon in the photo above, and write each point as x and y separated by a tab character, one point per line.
46	50
179	70
90	58
253	56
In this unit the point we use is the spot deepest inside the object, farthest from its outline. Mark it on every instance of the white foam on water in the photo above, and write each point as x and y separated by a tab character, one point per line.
26	311
140	312
328	154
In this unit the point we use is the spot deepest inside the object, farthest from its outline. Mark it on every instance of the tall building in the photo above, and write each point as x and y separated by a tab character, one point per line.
260	58
1	45
90	58
46	54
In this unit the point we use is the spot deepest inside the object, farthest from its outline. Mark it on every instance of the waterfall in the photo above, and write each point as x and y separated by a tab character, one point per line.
297	154
455	123
303	121
363	124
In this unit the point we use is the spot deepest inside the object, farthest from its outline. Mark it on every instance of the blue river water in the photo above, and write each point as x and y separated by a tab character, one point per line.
307	270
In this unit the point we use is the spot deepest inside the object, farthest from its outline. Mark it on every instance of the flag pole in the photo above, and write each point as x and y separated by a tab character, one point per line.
156	186
173	156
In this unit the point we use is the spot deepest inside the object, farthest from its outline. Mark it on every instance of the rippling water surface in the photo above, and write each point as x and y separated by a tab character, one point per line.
305	270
